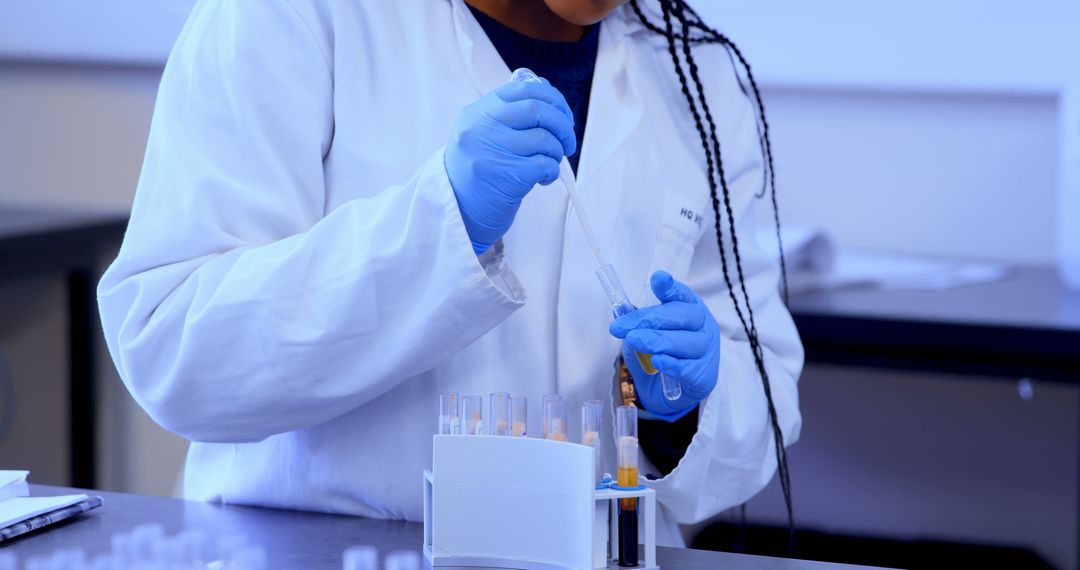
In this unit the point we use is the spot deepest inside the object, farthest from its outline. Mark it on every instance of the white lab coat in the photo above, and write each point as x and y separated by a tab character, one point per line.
296	285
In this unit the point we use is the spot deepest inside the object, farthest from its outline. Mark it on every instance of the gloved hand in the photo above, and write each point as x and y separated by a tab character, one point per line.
684	339
502	145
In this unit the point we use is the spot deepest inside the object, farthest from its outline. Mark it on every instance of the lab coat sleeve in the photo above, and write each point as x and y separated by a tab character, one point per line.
237	307
732	455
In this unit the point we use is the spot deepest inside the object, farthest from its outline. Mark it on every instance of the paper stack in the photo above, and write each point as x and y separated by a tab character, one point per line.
13	484
20	513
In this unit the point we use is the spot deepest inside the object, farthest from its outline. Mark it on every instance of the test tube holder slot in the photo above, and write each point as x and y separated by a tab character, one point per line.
526	503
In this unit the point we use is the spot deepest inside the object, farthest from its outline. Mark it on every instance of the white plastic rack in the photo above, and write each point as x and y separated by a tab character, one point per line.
528	503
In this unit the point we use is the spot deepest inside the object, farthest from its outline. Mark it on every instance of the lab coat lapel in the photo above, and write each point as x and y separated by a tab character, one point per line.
486	68
614	108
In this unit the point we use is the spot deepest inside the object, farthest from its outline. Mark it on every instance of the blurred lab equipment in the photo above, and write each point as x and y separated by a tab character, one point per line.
449	413
519	416
473	414
499	414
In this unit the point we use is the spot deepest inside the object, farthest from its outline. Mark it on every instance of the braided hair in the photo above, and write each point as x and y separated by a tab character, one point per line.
692	30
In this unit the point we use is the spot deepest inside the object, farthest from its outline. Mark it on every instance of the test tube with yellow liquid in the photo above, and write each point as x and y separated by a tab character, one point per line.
621	305
555	418
473	412
592	415
627	457
544	412
519	416
499	414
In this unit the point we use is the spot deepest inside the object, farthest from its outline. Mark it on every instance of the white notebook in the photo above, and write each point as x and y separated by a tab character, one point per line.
13	484
17	510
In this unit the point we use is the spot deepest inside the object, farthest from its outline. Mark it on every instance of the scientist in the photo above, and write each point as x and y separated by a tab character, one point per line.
346	208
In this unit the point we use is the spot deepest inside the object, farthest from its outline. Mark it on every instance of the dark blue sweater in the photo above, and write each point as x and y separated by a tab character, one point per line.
567	65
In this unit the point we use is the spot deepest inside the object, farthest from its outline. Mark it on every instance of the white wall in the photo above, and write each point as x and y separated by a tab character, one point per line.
73	134
950	174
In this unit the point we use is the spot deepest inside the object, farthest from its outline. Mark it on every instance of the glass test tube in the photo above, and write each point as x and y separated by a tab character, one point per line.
592	414
474	415
621	305
499	414
555	416
519	416
449	413
544	412
626	436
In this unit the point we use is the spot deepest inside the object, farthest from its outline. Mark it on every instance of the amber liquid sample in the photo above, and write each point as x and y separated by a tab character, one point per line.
518	429
627	477
645	360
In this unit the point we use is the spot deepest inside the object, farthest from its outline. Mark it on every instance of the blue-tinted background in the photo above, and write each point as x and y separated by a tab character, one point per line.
922	126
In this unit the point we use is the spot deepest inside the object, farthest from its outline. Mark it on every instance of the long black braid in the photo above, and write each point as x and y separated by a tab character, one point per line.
689	20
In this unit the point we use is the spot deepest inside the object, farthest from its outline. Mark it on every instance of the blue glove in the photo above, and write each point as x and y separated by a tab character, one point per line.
502	145
684	339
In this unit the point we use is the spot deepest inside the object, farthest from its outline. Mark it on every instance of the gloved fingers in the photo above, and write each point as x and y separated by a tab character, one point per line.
674	367
680	344
674	315
520	91
534	141
543	169
533	113
696	381
667	289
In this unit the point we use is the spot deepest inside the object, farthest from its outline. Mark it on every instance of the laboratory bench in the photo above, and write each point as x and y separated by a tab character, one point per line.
68	244
295	539
1026	325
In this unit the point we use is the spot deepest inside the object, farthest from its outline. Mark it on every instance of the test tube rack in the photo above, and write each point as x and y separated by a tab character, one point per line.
526	503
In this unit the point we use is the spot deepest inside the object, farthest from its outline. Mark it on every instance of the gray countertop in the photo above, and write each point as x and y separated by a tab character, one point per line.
1028	298
299	539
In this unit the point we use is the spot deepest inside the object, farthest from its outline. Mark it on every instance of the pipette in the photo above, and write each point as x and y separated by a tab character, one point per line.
609	280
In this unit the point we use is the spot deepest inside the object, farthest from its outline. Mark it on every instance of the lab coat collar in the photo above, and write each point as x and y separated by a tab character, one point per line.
614	110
